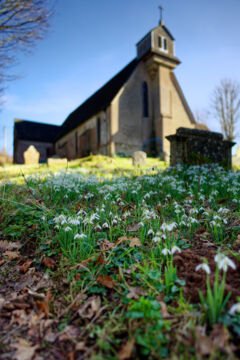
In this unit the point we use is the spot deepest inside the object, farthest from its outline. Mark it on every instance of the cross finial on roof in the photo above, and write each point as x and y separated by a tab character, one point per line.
161	15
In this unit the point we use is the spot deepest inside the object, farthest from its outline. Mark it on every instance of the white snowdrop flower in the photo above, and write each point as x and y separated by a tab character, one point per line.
105	225
194	221
67	229
235	309
98	228
150	232
80	236
175	249
114	222
204	267
223	262
156	239
141	224
168	227
223	210
177	211
182	223
74	222
166	252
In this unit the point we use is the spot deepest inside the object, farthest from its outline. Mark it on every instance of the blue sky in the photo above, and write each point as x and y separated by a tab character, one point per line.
89	41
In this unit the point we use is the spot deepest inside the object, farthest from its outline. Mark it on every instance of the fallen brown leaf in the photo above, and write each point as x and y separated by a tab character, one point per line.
133	227
203	343
12	255
106	245
126	350
90	307
164	311
220	336
2	261
106	281
49	263
135	293
9	245
24	350
80	346
43	306
25	266
135	242
100	260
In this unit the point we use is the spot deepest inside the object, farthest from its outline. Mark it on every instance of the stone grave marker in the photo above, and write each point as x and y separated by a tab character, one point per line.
31	156
197	147
139	158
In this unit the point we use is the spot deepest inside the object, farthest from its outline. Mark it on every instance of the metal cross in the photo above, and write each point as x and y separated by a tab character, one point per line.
161	13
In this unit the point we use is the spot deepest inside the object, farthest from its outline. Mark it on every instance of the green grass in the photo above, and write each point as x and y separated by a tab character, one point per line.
116	233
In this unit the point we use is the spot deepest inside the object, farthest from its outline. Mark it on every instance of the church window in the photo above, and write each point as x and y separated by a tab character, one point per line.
162	43
98	132
76	143
145	99
165	44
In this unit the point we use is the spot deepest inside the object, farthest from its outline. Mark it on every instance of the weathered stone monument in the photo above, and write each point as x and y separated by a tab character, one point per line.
31	156
193	146
139	158
55	160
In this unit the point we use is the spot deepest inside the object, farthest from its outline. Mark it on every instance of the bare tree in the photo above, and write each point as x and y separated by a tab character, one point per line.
201	117
226	106
22	23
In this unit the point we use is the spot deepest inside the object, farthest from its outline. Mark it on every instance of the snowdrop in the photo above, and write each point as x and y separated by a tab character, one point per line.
203	267
168	227
223	262
67	229
80	236
235	309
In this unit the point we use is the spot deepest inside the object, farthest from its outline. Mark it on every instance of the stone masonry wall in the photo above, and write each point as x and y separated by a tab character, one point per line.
192	146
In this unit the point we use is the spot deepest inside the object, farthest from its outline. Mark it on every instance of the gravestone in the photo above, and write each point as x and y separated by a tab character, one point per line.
57	161
31	156
139	158
197	147
236	157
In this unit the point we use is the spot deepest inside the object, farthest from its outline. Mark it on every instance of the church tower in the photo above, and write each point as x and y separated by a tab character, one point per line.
169	108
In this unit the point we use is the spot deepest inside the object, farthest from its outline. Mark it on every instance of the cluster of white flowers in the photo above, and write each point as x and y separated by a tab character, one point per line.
172	251
223	263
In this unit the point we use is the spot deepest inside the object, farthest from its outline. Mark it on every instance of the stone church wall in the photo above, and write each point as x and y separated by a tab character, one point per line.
173	111
83	141
129	128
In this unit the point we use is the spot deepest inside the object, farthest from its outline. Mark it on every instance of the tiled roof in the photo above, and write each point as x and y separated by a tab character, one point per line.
99	101
34	131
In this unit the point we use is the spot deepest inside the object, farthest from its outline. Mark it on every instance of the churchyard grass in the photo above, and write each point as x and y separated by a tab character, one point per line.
141	263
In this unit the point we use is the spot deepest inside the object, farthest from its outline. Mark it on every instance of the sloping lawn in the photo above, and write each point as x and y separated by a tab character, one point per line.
110	263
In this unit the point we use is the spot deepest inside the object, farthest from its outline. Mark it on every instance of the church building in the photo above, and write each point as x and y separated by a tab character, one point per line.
135	110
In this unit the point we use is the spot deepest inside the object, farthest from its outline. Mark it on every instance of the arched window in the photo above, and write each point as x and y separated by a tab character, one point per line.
98	132
145	99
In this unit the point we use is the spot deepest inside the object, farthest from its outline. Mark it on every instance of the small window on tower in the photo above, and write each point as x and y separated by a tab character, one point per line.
160	42
165	44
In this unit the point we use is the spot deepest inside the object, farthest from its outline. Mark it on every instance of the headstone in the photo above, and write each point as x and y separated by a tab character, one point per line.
31	156
139	158
236	157
197	147
57	161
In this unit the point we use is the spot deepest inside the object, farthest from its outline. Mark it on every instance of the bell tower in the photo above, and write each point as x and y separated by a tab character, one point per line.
169	109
